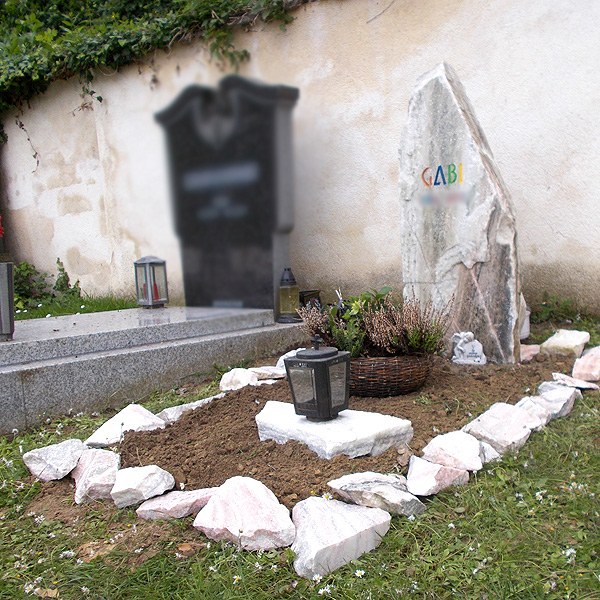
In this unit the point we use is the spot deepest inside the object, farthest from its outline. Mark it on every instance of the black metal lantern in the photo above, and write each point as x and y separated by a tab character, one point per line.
320	381
151	282
7	319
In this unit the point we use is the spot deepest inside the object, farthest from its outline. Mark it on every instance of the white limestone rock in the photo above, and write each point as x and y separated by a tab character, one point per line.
455	449
529	352
132	418
175	505
173	413
536	409
55	461
376	490
559	401
236	379
574	381
246	512
291	354
588	366
329	534
269	372
426	478
353	433
136	484
458	237
566	342
489	454
503	426
95	474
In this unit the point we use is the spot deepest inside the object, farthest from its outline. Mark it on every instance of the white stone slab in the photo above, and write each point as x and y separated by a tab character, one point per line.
455	449
574	381
136	484
489	454
588	366
175	505
503	426
377	490
329	534
566	342
426	478
353	433
244	511
95	474
559	401
269	372
54	461
132	418
537	410
173	413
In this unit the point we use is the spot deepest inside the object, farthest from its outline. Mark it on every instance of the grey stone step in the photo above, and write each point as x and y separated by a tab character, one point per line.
75	335
32	391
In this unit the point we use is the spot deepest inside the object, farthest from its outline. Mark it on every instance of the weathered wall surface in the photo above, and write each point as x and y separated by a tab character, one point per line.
99	197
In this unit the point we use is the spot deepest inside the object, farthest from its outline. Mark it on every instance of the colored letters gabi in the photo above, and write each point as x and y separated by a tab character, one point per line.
442	179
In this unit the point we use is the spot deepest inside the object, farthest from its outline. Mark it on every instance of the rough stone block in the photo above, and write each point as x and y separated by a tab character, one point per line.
175	505
244	511
455	449
376	490
173	413
95	474
426	478
588	366
559	401
566	342
55	461
574	382
236	379
136	484
537	410
529	352
329	534
132	418
353	433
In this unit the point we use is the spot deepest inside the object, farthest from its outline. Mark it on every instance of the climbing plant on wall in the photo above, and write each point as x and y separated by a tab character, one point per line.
45	40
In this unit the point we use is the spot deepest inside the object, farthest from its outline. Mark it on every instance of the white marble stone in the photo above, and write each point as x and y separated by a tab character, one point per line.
329	534
536	409
489	454
467	350
455	449
566	342
529	352
377	490
574	381
136	484
559	401
244	511
426	478
175	505
281	364
269	372
236	379
503	426
54	461
353	433
458	236
132	418
588	366
95	474
173	413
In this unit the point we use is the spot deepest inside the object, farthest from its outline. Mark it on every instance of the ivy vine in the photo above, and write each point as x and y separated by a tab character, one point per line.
45	40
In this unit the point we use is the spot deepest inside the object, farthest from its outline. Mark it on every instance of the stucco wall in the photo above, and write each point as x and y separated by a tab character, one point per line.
99	197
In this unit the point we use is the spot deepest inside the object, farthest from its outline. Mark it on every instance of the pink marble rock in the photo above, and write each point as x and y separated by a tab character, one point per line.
529	352
574	381
95	475
54	461
329	534
588	366
559	401
455	449
504	426
246	512
136	484
175	505
426	478
536	409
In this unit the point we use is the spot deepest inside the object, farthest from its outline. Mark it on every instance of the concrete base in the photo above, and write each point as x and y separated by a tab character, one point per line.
354	433
88	362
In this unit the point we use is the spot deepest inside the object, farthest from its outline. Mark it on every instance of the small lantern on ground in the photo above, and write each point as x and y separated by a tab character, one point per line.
320	381
151	282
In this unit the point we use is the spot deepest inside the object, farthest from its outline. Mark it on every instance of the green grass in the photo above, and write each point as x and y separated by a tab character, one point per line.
526	527
74	305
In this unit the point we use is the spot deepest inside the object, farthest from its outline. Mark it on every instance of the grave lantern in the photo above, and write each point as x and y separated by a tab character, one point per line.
319	379
7	319
151	282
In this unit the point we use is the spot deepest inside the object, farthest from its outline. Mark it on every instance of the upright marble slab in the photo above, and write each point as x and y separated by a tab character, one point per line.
458	225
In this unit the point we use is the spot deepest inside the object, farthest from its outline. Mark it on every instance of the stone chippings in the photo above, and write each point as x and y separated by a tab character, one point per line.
55	461
330	534
246	512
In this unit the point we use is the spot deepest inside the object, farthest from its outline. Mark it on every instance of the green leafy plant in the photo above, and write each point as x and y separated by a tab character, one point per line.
553	308
378	323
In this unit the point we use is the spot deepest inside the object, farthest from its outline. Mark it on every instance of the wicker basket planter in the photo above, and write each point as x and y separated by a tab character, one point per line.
388	376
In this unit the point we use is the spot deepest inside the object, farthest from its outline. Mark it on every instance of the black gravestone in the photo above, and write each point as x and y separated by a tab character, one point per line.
230	155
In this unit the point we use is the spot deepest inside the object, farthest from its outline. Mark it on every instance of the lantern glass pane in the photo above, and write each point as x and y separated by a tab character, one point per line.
141	282
159	282
337	382
303	386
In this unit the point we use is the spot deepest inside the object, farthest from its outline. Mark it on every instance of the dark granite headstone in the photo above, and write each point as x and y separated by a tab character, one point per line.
230	154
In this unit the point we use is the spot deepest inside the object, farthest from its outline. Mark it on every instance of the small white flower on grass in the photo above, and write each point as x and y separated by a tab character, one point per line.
257	566
178	555
359	573
138	550
317	578
79	561
273	567
327	496
212	568
411	517
85	589
28	588
208	545
539	495
39	519
82	306
324	591
570	554
67	554
236	579
451	526
48	316
18	311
